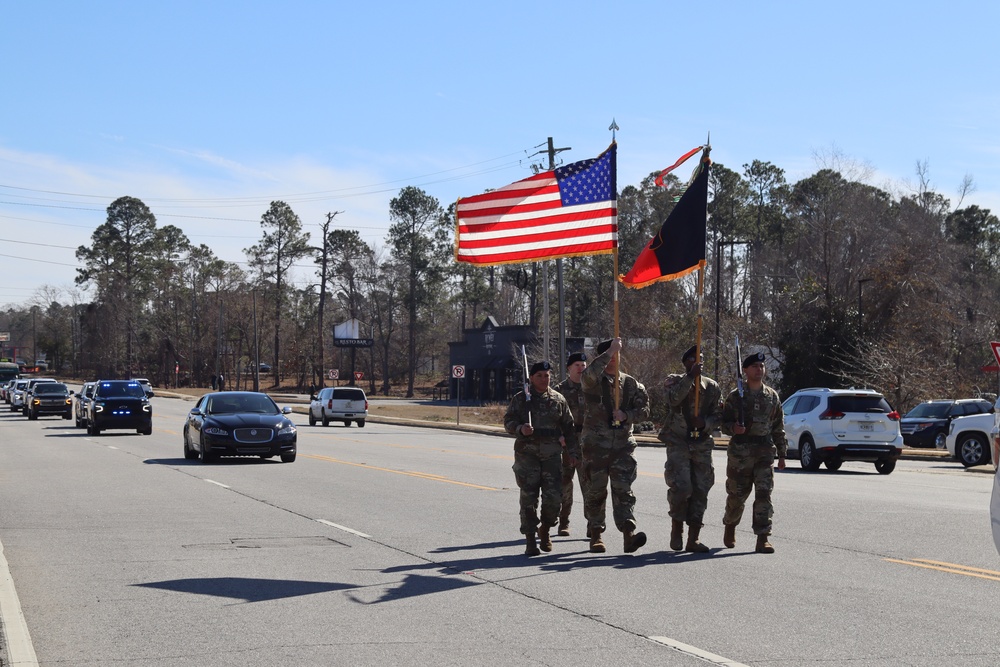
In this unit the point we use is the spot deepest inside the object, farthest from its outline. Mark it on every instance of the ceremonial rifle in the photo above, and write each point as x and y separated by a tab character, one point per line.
739	381
527	384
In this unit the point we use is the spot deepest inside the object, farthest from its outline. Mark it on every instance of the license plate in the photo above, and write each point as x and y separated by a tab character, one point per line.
866	426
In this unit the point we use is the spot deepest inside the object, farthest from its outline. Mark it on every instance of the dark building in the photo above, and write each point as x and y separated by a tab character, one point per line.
491	356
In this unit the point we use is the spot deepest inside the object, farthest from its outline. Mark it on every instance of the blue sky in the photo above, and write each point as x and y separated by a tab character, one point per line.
208	111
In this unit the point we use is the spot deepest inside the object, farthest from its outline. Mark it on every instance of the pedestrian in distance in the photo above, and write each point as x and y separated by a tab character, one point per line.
687	434
608	445
756	424
541	420
222	382
572	390
215	382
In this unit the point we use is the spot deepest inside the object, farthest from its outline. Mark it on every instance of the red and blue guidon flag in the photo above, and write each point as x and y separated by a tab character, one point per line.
567	212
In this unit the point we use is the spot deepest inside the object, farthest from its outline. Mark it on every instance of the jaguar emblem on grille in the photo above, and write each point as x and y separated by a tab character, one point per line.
253	431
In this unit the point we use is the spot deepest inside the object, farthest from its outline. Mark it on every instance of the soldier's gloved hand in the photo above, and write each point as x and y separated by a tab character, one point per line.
695	371
739	429
620	415
698	422
526	429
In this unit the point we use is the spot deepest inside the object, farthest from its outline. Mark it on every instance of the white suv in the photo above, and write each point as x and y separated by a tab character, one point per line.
835	425
345	404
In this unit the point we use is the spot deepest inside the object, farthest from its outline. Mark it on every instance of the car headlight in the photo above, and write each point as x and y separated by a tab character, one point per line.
215	430
287	429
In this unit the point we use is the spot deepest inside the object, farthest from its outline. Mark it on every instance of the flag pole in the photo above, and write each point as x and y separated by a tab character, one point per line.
701	300
614	279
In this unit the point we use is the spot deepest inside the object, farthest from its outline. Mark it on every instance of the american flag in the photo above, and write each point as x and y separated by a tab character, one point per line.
567	212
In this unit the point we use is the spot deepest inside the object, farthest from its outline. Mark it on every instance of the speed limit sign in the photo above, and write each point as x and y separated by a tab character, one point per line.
458	371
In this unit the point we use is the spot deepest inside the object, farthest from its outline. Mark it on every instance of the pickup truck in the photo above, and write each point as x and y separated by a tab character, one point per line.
969	438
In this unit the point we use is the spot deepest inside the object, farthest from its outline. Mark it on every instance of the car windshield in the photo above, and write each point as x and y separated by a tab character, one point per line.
122	388
50	388
859	404
242	403
930	411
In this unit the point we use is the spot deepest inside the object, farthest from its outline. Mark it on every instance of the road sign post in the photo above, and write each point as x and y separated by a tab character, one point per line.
995	346
458	372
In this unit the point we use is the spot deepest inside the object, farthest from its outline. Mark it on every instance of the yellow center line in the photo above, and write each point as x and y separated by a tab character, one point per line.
950	568
408	473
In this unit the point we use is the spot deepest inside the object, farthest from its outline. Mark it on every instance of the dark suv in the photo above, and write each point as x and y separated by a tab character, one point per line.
50	398
927	424
119	404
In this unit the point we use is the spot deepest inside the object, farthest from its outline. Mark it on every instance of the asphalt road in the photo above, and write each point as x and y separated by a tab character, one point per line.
399	545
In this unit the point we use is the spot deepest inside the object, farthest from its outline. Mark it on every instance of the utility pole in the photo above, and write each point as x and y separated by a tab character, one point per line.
551	151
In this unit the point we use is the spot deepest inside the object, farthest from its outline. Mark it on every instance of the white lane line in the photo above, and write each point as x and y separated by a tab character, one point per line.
343	528
17	639
111	447
212	481
696	652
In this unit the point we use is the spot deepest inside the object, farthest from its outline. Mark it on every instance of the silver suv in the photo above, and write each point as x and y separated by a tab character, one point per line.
345	404
830	426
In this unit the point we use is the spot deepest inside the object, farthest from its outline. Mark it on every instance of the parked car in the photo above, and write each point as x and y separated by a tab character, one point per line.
29	390
146	386
17	395
968	439
830	426
80	400
345	404
927	424
239	423
51	398
119	404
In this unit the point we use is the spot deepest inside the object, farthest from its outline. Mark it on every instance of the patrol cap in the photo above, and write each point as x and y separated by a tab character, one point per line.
754	359
575	357
690	354
603	346
540	366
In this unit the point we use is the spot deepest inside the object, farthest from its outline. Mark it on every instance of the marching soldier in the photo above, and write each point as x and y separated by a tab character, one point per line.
752	450
572	390
608	446
542	421
687	434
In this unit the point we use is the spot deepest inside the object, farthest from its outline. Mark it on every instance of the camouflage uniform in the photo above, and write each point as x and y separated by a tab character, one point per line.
538	457
688	470
751	455
607	451
573	393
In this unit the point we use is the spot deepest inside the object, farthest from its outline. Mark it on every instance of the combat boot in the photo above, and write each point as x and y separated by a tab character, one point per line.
633	541
596	543
763	546
693	545
530	548
729	538
676	535
544	541
563	526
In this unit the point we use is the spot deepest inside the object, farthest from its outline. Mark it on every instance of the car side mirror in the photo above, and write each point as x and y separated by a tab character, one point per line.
312	397
71	392
286	410
196	412
150	394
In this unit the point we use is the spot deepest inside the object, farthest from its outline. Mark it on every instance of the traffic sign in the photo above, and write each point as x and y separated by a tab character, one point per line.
334	373
359	375
996	351
458	371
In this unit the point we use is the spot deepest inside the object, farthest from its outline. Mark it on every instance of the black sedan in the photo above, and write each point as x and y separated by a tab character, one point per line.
239	423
